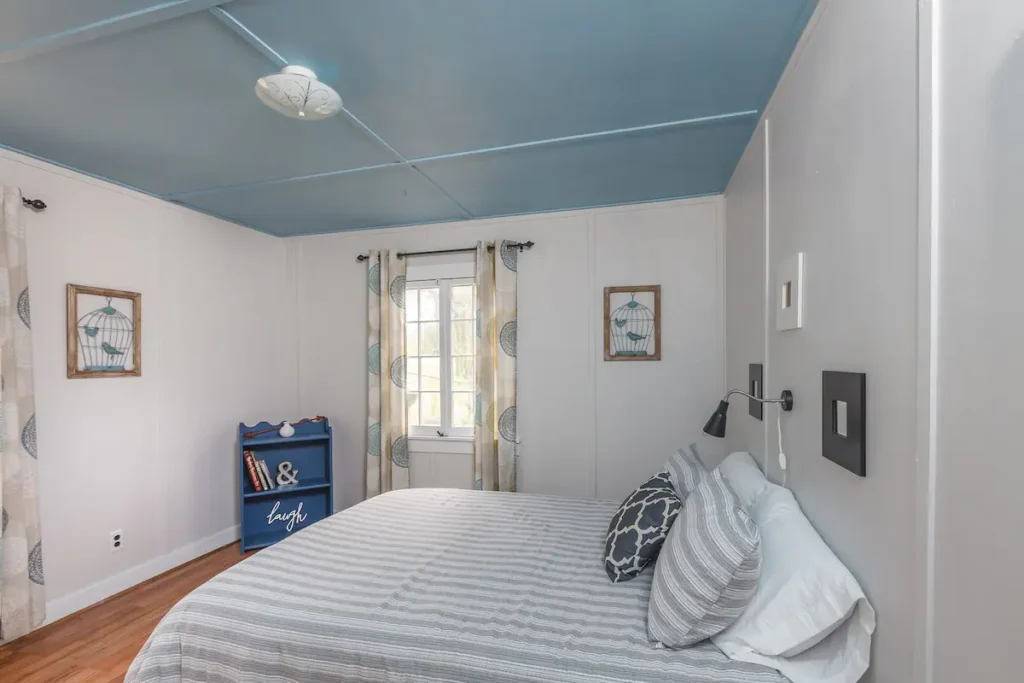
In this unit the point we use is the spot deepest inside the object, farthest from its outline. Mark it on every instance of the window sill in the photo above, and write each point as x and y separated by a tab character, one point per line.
458	445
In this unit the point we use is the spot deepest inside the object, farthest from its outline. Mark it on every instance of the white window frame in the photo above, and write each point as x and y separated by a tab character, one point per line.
445	430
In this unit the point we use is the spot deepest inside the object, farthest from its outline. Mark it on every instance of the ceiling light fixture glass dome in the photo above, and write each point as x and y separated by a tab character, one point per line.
296	93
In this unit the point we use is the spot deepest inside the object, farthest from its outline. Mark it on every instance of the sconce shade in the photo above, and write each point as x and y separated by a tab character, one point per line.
715	425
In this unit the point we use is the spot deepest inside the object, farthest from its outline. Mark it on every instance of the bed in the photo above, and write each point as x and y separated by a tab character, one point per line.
430	585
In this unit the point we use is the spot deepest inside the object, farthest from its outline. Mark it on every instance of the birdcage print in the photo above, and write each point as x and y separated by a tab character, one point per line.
105	337
633	329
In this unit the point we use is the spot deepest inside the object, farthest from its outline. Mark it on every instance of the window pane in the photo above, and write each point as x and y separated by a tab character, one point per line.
462	374
430	409
462	302
412	374
462	338
462	410
429	304
430	374
430	339
412	400
412	308
412	339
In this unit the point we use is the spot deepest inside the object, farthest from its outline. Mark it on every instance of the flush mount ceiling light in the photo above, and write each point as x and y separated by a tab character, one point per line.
296	93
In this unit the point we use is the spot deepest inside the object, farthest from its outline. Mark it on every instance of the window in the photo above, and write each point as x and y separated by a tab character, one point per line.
441	357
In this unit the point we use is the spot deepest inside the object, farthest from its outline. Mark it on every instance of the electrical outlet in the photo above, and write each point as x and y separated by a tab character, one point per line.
116	540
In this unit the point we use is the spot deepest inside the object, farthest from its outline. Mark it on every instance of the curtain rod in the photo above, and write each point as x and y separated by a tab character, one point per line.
511	245
34	204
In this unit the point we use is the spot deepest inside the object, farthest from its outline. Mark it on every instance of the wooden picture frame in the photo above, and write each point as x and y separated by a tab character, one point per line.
634	323
104	342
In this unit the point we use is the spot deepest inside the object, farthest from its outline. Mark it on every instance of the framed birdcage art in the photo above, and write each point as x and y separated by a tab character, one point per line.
632	323
104	332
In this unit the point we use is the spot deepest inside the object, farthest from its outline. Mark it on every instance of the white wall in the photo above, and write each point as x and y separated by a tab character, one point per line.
841	186
980	202
151	456
239	326
746	297
588	427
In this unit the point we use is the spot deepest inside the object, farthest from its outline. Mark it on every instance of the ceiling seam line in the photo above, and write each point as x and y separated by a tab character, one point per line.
104	28
446	193
261	46
716	118
88	174
373	134
174	196
130	188
243	32
403	162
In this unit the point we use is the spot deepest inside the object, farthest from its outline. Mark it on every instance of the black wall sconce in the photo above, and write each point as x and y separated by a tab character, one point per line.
843	419
716	423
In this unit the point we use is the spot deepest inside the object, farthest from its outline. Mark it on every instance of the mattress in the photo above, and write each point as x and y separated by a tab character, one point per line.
430	585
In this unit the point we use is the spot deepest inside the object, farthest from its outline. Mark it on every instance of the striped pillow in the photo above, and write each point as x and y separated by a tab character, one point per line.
708	568
686	471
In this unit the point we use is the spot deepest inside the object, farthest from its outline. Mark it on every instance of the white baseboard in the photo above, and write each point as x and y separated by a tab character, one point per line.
90	595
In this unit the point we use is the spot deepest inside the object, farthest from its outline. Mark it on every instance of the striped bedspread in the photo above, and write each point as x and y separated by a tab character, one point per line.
429	585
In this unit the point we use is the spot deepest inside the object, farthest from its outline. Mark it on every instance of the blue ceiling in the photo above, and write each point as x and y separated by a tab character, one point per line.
454	109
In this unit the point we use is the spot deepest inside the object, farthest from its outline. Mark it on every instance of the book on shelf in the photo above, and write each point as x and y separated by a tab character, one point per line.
254	477
271	484
263	477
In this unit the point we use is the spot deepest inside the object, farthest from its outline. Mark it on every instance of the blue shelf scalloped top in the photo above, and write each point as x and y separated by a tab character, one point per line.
309	429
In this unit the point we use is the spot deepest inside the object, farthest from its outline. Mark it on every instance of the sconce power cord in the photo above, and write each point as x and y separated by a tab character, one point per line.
782	454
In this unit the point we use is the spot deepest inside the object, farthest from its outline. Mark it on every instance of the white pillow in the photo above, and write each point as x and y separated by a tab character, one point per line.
809	618
744	477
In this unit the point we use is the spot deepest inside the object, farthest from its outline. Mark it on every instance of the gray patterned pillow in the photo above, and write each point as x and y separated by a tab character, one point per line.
708	570
686	470
639	528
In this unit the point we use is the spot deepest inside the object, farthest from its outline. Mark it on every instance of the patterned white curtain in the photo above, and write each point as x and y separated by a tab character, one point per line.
22	601
495	443
387	440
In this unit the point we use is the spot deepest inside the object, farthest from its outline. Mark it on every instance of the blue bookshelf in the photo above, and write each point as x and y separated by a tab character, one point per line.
269	516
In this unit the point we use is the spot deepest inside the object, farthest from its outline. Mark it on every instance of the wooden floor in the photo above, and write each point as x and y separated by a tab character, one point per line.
98	644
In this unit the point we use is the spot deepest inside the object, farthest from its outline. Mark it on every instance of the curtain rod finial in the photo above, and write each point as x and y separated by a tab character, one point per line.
362	257
34	204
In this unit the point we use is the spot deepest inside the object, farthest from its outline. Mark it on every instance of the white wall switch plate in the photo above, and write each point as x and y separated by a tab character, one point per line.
789	294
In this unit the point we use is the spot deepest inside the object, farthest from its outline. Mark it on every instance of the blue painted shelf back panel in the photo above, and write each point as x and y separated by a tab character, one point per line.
272	515
306	457
21	22
277	440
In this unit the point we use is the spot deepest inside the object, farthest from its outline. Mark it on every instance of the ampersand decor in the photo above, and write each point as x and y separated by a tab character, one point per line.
286	475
